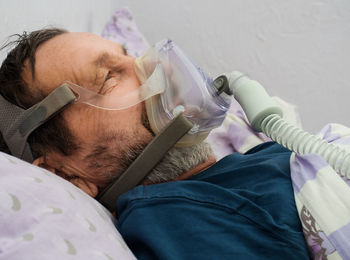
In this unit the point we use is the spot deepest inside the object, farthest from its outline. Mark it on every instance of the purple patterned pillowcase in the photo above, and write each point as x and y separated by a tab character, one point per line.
43	216
122	29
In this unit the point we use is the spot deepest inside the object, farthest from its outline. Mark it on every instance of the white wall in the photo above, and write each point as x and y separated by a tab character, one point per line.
298	49
17	16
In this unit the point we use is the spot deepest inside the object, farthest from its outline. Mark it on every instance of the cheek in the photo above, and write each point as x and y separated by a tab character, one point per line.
88	123
127	121
127	118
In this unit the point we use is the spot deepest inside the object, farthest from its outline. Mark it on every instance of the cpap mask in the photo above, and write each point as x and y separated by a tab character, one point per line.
183	105
187	90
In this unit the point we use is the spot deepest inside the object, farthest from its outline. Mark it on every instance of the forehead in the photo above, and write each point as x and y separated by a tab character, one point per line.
70	56
76	43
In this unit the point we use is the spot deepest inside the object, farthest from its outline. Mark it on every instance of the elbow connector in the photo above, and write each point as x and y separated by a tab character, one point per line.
253	98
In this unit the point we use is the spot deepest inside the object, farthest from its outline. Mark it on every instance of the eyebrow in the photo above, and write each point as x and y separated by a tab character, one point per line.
101	59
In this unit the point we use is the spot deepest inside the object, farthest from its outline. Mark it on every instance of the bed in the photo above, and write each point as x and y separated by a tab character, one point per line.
42	216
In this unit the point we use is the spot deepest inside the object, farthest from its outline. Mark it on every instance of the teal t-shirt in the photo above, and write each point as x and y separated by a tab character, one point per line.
240	208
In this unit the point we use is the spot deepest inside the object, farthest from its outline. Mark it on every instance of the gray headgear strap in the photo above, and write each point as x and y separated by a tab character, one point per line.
17	123
146	161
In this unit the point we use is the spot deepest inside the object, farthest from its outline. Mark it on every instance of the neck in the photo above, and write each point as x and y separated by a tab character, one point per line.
199	168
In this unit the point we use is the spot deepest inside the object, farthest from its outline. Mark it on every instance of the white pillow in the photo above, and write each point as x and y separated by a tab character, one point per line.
43	216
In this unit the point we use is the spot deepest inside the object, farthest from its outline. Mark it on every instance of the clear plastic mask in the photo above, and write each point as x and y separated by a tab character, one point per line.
187	89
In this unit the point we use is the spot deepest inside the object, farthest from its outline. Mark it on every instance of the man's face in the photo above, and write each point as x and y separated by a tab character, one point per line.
106	137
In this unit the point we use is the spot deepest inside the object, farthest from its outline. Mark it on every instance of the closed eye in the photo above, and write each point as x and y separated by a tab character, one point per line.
107	77
111	81
102	89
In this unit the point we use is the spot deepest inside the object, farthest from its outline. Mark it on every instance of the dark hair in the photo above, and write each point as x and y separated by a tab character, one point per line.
54	134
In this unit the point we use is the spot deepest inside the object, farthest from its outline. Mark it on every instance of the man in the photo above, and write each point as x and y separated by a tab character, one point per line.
241	207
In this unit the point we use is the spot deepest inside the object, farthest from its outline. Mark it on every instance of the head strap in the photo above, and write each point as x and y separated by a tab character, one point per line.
17	123
146	161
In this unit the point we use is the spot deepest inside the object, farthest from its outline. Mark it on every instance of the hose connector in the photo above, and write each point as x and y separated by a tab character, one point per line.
253	98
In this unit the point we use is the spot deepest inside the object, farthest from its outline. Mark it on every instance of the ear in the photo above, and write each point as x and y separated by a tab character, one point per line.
86	186
74	178
41	162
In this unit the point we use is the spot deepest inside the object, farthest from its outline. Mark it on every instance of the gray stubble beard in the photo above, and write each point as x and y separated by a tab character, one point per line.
177	160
